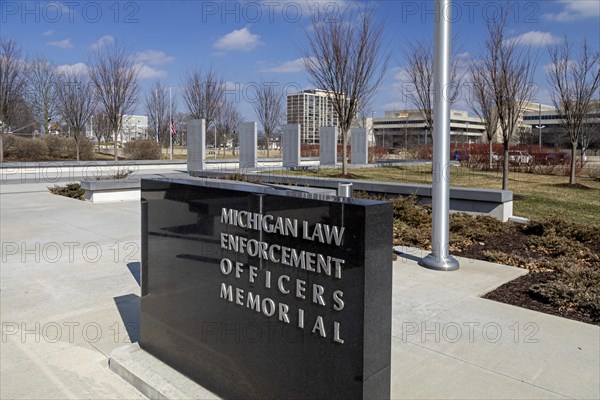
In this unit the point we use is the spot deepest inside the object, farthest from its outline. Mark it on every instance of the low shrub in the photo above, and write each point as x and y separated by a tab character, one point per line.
49	147
57	146
86	149
10	145
72	190
33	149
145	149
376	153
309	150
574	288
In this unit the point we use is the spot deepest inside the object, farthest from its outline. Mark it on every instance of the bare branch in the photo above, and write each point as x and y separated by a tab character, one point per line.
157	108
113	72
203	94
346	57
574	82
76	101
40	95
268	106
509	73
12	81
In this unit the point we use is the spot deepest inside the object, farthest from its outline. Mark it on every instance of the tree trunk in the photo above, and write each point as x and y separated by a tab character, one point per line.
582	161
116	148
573	154
505	168
491	163
268	145
77	148
1	146
344	153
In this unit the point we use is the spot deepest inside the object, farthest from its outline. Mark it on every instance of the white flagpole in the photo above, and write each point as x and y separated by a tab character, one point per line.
170	125
439	258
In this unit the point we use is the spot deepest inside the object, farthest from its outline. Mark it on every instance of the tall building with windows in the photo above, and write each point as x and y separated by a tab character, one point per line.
547	126
408	129
311	109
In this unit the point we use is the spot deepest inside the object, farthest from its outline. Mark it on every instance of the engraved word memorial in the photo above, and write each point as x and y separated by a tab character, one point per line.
261	293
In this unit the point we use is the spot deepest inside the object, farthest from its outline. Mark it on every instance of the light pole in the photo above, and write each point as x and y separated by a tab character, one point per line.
540	127
439	259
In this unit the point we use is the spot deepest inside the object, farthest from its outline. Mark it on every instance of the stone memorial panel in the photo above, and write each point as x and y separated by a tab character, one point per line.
196	142
359	146
257	293
248	144
291	145
328	145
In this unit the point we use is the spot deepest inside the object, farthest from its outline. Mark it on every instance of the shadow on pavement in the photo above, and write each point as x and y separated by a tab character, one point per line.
129	308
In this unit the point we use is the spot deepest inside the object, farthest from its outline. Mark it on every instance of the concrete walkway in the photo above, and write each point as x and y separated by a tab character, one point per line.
70	295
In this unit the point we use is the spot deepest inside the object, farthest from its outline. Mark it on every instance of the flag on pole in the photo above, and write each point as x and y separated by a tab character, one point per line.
173	129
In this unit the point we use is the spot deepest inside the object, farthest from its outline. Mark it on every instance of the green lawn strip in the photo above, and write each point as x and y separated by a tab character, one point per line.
536	196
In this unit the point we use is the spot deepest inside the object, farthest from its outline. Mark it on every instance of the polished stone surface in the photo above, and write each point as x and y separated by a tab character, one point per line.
196	144
192	322
328	136
359	146
248	144
291	145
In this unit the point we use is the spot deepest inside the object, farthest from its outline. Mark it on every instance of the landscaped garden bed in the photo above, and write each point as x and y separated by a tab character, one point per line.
563	258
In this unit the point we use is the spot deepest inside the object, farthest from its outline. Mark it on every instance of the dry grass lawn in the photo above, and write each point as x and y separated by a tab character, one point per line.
536	196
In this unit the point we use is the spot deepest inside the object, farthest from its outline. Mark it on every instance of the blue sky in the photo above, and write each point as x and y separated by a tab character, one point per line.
253	40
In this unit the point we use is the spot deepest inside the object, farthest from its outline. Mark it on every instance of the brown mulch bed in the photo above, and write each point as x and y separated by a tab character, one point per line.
563	258
517	293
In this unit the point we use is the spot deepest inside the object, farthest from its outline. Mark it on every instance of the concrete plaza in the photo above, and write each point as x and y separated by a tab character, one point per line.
70	296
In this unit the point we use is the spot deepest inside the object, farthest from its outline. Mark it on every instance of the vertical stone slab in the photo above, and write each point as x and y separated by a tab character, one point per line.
226	304
328	145
359	146
196	150
248	144
291	146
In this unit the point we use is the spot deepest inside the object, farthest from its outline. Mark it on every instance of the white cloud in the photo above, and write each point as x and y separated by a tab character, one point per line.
63	44
49	32
574	10
153	57
147	72
534	38
79	68
238	39
103	41
296	65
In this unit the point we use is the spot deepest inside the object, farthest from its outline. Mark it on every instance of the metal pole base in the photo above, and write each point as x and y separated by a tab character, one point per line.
437	263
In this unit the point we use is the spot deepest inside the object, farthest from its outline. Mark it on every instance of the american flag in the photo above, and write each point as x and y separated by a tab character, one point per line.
173	129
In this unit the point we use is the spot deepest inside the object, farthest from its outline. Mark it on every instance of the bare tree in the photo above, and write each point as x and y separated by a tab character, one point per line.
113	72
574	81
100	126
482	103
41	96
203	93
268	106
12	84
346	57
229	118
419	67
510	68
157	108
12	81
76	102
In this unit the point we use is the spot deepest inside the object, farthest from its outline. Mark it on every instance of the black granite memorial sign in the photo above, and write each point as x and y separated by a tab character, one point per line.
258	293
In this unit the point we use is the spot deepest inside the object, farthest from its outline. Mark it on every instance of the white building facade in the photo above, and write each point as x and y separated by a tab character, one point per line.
408	129
311	109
